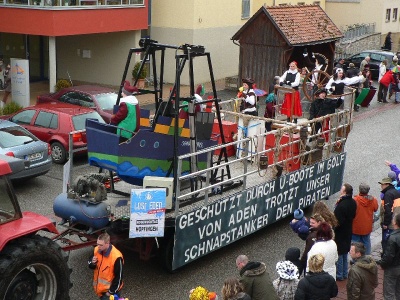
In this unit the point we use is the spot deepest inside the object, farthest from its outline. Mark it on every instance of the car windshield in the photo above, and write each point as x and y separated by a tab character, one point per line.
79	121
15	136
107	101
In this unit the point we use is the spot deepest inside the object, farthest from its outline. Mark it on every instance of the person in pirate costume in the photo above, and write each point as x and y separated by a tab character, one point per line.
338	81
291	78
249	103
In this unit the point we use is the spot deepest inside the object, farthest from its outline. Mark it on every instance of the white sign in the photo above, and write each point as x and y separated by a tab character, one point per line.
20	90
147	212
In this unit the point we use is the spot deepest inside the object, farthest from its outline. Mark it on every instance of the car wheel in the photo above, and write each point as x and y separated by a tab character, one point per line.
58	153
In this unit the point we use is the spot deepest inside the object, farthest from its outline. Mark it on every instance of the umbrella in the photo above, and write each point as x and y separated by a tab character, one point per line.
259	92
396	69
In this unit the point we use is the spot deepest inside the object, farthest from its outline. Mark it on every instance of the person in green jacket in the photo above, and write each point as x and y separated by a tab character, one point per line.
127	117
255	279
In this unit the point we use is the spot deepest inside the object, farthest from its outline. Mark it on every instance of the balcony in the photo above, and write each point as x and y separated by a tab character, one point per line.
72	17
68	4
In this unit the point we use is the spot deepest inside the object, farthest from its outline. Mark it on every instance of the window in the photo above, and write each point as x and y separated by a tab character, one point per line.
47	120
387	15
301	3
317	3
77	99
245	9
394	14
24	117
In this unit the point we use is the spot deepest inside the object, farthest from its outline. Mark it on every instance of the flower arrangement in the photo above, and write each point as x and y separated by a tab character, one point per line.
199	293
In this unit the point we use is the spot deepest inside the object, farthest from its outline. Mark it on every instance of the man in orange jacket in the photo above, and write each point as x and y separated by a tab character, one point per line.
107	262
364	220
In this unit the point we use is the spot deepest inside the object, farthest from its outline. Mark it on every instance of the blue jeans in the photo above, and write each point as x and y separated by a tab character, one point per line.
342	267
365	239
397	97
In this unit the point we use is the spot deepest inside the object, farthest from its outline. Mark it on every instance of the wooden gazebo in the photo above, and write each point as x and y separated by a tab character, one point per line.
275	36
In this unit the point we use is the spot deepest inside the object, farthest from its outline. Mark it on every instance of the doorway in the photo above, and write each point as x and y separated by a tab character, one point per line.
35	48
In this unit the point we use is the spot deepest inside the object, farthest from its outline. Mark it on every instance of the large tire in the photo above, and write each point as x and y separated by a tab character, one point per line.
34	268
58	153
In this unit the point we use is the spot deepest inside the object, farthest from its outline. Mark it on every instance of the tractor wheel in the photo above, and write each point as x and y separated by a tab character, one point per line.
34	268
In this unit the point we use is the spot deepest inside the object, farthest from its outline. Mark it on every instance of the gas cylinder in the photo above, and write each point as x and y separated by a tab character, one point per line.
81	211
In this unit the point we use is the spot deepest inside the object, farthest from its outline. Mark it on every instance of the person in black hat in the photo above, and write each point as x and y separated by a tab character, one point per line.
249	102
323	106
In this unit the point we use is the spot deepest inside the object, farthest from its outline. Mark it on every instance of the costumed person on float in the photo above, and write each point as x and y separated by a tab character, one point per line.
127	117
249	102
339	80
184	112
291	78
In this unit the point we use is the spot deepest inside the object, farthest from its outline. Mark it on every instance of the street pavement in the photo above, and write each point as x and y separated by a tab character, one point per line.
373	140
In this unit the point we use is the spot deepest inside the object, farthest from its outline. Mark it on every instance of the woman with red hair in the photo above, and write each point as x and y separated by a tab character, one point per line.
291	78
326	246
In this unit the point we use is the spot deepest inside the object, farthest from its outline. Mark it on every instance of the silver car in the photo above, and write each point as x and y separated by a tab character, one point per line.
16	141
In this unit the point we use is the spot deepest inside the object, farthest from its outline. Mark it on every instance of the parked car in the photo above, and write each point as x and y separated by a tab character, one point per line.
53	121
18	142
101	99
377	56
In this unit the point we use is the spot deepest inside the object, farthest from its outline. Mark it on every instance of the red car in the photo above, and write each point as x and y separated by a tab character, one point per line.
101	99
52	122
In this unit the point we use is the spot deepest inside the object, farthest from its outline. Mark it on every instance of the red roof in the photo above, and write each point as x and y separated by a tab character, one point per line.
299	24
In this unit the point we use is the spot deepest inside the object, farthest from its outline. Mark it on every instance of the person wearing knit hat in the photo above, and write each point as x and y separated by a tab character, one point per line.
127	117
300	224
286	285
396	176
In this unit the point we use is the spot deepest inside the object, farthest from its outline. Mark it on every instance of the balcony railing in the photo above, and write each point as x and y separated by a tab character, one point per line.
69	3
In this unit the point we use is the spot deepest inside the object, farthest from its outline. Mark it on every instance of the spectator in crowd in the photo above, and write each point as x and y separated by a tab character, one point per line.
127	117
386	80
322	209
363	275
345	211
325	245
255	279
382	69
286	285
389	208
393	168
393	64
387	45
291	78
293	255
351	72
7	85
315	220
317	284
391	263
233	290
364	219
300	224
365	63
339	64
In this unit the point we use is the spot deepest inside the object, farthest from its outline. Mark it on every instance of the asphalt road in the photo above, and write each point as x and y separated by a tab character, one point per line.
373	139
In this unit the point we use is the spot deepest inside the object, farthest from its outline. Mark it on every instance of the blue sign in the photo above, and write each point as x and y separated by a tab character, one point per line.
147	213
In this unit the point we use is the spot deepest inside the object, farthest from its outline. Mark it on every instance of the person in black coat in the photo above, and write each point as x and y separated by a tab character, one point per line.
323	106
317	284
345	212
